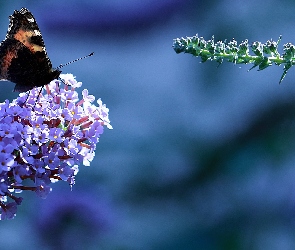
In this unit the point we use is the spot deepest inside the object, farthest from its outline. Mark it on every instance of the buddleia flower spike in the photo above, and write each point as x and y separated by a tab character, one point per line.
260	55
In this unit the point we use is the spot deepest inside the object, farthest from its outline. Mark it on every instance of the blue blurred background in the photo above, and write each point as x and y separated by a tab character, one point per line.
201	157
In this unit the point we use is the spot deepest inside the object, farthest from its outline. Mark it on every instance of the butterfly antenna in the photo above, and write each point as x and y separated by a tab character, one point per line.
78	59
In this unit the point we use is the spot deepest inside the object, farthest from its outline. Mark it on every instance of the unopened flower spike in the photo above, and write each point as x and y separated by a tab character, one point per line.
46	139
264	55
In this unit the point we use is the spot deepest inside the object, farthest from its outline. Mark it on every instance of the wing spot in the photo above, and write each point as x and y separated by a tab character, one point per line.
31	20
25	38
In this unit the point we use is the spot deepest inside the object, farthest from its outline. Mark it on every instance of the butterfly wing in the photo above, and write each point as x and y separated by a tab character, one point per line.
23	57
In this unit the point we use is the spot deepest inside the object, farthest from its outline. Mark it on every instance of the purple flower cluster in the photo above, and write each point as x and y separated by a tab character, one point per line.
44	138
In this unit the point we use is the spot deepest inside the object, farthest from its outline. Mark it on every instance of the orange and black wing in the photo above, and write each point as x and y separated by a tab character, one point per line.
23	57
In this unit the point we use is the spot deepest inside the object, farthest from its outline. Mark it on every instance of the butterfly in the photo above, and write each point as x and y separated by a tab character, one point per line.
23	56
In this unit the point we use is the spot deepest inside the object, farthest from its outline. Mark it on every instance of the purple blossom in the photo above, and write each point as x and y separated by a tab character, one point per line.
45	140
6	161
8	211
42	190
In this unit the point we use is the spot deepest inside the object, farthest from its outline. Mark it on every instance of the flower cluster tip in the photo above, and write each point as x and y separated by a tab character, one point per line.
264	55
